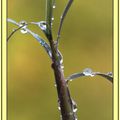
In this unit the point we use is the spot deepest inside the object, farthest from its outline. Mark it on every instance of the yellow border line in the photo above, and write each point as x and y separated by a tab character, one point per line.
0	62
115	60
4	90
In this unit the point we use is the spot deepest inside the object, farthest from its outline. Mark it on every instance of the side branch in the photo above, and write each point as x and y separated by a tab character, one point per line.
62	19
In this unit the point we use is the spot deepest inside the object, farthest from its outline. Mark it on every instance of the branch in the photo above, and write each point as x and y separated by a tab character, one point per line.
88	72
23	27
14	31
62	19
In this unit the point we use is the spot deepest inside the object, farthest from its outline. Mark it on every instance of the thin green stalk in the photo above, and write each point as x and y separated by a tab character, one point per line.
49	11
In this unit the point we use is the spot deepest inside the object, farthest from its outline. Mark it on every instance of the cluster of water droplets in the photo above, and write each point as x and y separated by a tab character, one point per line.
23	24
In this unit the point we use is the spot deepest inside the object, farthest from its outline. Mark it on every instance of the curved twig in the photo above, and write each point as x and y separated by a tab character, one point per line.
62	20
88	72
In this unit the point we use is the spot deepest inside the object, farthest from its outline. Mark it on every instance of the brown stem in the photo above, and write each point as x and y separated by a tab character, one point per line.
62	88
63	95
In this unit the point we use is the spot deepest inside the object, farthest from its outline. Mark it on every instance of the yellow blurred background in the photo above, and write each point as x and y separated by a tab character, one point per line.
86	42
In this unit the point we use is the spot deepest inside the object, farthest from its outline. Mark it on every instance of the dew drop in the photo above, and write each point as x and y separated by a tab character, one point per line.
59	108
109	73
74	106
62	67
50	54
23	29
54	6
42	43
42	25
55	85
88	72
52	18
75	110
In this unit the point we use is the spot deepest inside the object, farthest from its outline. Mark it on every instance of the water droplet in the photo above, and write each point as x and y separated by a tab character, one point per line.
74	106
71	80
59	108
23	29
60	57
42	25
42	43
52	18
109	73
54	6
75	110
50	54
61	17
55	85
88	72
62	67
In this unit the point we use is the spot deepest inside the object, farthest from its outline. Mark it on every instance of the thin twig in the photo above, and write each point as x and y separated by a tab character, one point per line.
62	20
15	30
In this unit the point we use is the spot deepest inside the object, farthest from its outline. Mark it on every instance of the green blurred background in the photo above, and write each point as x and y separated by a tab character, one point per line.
86	42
